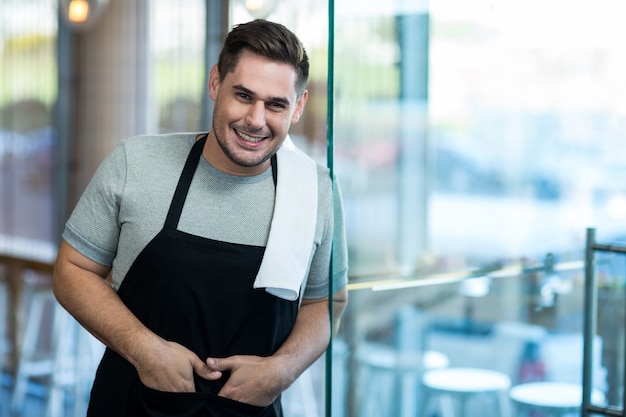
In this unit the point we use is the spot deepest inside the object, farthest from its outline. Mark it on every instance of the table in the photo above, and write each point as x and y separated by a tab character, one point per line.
461	384
555	398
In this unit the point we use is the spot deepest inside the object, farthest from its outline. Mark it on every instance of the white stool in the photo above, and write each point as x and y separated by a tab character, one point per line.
383	369
67	363
553	398
462	384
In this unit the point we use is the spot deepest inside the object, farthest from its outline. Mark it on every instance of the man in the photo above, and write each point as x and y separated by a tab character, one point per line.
218	249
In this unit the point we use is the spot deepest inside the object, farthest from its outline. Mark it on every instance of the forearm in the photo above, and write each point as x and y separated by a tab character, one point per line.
81	288
310	336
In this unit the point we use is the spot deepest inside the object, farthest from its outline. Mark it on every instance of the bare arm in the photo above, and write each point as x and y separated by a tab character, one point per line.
259	381
80	286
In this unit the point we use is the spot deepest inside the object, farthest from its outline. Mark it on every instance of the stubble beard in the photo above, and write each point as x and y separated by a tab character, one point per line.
233	158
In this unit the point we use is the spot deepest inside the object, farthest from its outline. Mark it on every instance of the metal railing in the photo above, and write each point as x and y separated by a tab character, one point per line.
591	306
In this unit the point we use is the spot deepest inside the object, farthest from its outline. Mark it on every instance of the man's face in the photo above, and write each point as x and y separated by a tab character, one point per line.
254	107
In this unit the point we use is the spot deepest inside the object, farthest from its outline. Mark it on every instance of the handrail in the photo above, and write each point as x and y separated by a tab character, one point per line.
397	281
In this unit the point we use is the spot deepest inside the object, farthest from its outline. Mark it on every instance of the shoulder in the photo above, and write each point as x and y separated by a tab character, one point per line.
147	153
301	158
157	144
324	183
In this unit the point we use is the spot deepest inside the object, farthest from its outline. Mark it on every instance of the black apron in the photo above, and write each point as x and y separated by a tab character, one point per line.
199	293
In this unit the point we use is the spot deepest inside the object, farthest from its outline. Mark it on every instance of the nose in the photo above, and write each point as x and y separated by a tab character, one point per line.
256	114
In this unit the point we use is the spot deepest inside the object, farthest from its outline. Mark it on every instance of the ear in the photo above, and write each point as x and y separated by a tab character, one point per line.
214	82
300	106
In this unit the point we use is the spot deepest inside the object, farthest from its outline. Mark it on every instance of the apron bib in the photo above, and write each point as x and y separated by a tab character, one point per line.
199	293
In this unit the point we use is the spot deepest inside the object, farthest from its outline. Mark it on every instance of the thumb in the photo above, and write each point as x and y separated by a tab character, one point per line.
217	365
204	371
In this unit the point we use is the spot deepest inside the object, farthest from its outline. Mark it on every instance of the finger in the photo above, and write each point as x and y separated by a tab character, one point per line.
204	371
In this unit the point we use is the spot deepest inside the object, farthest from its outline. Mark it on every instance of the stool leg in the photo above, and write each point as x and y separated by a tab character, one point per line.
504	404
425	405
408	387
26	365
65	363
447	405
88	357
462	405
377	396
5	344
365	404
301	399
54	404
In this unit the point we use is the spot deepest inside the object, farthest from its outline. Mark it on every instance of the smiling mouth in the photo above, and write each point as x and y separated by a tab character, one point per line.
248	138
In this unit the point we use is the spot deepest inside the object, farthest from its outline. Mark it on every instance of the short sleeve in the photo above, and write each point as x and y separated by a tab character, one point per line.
333	241
93	227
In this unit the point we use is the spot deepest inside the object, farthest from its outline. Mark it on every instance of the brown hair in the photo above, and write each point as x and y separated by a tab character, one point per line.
268	39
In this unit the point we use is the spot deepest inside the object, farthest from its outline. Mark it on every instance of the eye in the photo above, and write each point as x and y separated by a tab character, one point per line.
276	106
242	96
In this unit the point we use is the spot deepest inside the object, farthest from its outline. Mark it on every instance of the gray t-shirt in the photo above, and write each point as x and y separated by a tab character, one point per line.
126	202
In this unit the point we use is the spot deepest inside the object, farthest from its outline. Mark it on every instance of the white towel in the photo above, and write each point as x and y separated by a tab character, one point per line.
288	251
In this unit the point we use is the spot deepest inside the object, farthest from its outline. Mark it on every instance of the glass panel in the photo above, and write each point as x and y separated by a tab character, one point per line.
526	126
475	143
380	132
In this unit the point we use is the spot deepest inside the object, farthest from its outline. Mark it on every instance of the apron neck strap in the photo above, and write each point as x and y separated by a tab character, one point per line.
274	170
184	182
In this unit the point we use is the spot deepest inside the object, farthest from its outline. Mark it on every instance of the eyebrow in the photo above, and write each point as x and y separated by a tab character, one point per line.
281	100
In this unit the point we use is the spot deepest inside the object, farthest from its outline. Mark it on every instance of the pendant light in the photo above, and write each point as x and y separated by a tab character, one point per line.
260	9
82	14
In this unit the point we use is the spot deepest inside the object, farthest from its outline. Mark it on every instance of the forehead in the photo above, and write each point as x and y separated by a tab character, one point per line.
263	76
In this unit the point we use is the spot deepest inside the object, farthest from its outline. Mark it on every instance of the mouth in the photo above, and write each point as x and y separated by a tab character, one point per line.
249	138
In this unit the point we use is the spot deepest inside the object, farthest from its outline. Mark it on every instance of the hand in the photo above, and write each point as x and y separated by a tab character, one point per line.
253	380
170	366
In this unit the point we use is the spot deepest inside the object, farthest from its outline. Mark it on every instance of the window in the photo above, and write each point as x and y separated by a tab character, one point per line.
176	52
28	89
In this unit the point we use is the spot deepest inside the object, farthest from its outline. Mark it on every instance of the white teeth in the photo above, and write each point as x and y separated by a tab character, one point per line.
249	138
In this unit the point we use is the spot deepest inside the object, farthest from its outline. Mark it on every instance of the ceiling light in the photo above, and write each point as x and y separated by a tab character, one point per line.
260	9
82	14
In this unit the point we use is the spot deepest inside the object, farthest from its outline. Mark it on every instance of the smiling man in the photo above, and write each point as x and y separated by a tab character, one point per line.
254	106
218	247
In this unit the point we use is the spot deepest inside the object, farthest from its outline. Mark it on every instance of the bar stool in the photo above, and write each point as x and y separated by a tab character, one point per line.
32	362
461	384
552	398
390	376
65	360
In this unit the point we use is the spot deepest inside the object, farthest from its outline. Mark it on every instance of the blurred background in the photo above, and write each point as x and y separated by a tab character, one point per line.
475	142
